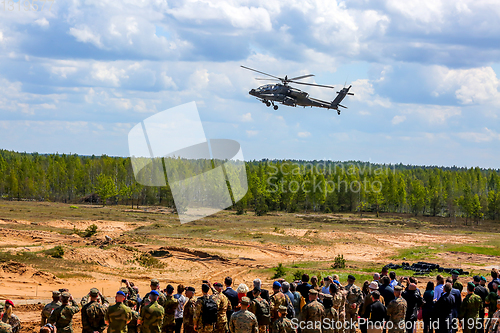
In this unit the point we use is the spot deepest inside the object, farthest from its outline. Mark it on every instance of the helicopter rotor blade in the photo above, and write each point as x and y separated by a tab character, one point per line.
301	77
251	69
266	79
350	94
345	107
311	84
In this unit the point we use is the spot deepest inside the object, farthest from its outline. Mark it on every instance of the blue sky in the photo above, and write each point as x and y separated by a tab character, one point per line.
425	74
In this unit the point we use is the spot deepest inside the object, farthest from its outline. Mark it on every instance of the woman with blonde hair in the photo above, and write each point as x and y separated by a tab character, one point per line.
242	290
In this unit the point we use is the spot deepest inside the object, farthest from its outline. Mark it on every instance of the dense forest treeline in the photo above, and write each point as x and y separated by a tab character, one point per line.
275	185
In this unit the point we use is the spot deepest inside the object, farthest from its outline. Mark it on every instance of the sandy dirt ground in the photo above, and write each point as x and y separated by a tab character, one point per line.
103	264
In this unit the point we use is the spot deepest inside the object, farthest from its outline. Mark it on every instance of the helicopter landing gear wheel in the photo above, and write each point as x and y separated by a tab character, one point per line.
268	103
338	112
275	107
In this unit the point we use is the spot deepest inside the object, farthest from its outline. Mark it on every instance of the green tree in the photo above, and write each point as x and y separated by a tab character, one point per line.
105	188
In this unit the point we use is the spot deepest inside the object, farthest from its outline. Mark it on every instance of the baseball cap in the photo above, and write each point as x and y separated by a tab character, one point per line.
65	294
313	291
56	293
94	292
245	300
155	282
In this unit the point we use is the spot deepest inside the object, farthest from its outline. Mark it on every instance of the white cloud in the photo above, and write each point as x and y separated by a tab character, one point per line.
108	74
398	119
85	35
63	71
432	114
364	92
43	22
167	81
486	135
1	36
252	132
471	86
238	15
247	117
303	134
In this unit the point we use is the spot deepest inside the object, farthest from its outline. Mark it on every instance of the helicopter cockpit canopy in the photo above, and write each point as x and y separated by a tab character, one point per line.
265	88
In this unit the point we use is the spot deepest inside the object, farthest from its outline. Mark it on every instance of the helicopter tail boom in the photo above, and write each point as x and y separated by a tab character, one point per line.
340	96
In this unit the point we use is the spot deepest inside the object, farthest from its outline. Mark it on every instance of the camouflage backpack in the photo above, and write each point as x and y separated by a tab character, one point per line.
262	312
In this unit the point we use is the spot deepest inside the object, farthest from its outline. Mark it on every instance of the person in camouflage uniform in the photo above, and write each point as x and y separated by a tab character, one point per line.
189	308
354	299
48	308
62	316
155	285
93	314
223	305
170	306
10	318
118	315
456	284
469	310
151	318
100	299
396	312
331	314
5	328
312	314
132	325
253	308
198	319
338	303
283	324
243	321
276	300
494	326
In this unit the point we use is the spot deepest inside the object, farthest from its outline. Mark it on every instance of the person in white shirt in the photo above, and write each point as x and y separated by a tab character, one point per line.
394	282
326	287
179	312
438	291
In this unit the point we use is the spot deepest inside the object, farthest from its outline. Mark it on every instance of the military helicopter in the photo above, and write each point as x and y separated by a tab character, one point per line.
286	95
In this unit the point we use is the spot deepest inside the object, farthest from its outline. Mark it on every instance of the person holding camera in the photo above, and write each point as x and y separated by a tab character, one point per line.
93	313
62	316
